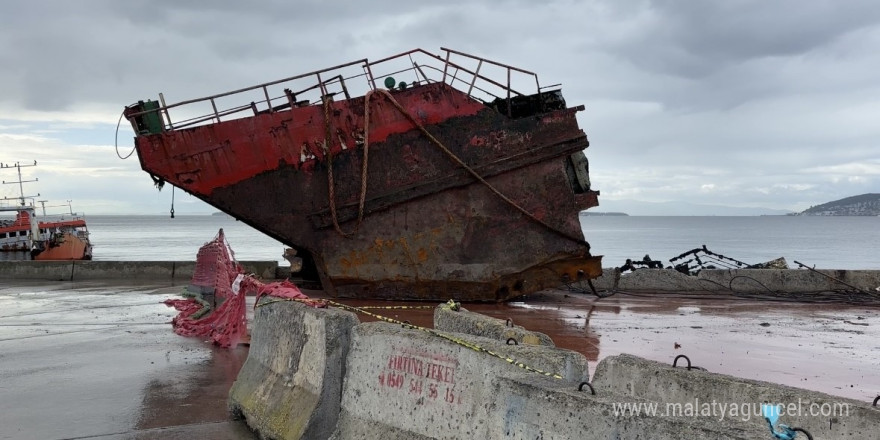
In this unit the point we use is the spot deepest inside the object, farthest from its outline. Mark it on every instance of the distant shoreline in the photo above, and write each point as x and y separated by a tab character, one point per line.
589	213
583	214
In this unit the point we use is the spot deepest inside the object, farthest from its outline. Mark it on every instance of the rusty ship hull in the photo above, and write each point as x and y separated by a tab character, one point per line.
26	238
416	192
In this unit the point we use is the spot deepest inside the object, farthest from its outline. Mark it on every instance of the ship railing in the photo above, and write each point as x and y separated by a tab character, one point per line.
451	71
20	202
215	115
290	99
425	67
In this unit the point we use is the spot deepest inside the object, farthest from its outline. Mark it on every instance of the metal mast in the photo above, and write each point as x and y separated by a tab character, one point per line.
20	181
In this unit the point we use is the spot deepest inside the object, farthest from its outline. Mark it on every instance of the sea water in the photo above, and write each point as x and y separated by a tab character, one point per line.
823	242
156	238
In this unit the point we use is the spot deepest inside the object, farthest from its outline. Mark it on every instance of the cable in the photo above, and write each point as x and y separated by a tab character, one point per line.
116	141
476	175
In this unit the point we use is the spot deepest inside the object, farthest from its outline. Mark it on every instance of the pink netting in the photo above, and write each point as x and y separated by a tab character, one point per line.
224	319
226	325
283	289
216	267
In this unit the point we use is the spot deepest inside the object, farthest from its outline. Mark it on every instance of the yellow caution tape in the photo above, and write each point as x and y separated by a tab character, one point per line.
458	341
451	304
394	307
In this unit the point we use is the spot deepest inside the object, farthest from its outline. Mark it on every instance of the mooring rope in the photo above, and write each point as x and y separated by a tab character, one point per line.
476	175
433	140
331	193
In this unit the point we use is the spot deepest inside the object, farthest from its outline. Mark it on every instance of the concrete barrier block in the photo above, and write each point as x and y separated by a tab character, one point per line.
462	321
291	383
405	383
533	407
825	416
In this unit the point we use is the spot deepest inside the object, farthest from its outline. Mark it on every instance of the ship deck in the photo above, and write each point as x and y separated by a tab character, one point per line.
102	360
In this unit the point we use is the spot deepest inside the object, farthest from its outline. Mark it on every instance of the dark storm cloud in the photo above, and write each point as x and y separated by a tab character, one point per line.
59	53
681	53
63	53
695	39
720	54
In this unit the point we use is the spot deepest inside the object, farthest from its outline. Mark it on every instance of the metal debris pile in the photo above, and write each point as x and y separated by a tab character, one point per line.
697	259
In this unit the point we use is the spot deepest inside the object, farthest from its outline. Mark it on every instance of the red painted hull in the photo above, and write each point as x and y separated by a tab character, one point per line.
68	247
57	239
430	229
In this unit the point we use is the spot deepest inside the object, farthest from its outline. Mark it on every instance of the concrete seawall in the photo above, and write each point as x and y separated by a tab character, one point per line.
740	280
117	270
655	280
398	382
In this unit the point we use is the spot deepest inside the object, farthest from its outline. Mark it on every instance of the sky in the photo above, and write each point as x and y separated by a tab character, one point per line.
736	103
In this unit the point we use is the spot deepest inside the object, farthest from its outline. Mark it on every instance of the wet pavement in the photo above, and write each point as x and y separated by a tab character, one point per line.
97	361
100	361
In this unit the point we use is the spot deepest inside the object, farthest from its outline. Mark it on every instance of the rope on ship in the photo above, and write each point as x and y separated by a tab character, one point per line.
407	324
331	187
433	140
116	140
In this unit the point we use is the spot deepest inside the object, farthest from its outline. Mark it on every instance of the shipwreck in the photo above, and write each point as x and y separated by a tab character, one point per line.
416	176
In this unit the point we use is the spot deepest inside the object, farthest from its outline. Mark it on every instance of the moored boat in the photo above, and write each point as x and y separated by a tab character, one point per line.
455	183
47	238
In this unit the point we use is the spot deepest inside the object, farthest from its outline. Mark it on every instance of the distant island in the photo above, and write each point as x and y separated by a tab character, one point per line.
588	213
863	205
